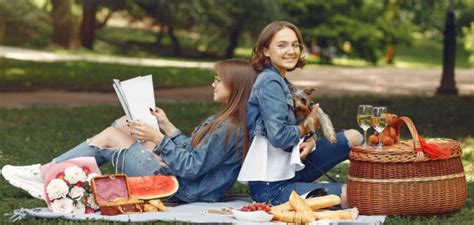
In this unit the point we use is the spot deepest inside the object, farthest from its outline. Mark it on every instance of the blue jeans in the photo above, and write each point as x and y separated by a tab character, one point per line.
133	161
326	156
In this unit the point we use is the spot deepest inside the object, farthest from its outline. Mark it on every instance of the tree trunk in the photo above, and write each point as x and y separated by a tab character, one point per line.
88	25
2	30
174	39
448	84
160	35
233	40
390	54
62	22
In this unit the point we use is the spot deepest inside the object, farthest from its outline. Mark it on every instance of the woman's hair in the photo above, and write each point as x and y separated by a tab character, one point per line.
238	76
259	61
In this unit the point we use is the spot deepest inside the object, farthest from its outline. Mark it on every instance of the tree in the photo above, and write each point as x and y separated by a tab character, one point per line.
223	22
448	84
333	23
63	23
89	23
170	15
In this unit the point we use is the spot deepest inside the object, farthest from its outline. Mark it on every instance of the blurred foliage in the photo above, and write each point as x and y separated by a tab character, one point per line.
22	22
469	41
360	29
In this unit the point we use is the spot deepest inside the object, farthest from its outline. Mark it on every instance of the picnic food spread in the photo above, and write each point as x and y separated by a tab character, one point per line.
114	196
298	210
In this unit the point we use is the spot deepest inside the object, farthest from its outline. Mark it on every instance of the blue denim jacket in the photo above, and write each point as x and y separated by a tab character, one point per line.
207	172
270	110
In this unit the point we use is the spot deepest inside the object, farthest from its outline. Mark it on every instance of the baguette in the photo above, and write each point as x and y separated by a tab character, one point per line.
346	214
293	217
159	205
315	203
298	203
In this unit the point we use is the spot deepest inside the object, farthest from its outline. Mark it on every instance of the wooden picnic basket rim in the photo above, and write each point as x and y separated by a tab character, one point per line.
404	151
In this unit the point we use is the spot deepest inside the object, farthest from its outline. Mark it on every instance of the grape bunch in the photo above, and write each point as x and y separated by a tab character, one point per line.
255	207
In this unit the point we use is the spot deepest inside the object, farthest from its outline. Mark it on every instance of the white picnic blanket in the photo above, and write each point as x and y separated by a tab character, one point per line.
192	212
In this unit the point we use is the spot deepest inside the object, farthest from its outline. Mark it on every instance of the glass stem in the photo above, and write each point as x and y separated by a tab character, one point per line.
365	139
380	140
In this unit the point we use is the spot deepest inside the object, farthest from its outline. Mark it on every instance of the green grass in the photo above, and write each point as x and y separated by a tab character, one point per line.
38	134
84	76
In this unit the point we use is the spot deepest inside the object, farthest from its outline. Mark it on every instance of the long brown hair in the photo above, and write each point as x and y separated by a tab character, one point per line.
238	76
259	61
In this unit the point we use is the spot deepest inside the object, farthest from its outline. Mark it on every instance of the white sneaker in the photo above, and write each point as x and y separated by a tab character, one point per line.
25	177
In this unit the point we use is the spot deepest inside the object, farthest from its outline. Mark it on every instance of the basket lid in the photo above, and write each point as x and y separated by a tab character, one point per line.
109	187
415	150
403	152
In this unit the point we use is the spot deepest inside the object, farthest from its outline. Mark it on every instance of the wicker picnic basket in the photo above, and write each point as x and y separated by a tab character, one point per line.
403	179
108	188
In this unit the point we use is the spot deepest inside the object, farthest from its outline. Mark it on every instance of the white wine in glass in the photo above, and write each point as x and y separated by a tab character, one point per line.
379	122
364	113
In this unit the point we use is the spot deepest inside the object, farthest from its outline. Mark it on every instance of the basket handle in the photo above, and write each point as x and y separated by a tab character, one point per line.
411	127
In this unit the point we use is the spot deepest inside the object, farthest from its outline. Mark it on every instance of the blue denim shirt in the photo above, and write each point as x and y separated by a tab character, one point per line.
208	171
270	110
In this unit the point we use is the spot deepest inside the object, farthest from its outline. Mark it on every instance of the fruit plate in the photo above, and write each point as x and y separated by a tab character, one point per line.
254	216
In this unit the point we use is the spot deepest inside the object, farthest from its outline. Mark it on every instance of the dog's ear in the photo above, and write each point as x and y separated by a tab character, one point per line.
310	92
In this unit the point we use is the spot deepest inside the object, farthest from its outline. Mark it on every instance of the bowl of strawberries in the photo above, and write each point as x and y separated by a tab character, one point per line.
255	212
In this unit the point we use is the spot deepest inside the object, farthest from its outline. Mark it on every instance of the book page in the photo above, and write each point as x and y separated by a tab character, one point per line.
121	97
140	96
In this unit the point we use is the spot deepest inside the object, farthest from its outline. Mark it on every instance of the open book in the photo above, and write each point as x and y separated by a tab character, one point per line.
136	96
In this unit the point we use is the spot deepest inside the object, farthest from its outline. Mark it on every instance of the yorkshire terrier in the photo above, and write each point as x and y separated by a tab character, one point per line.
302	101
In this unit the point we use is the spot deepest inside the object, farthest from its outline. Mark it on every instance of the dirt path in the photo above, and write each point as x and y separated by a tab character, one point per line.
330	81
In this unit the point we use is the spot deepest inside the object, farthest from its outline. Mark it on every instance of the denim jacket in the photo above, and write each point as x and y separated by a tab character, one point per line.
270	110
208	171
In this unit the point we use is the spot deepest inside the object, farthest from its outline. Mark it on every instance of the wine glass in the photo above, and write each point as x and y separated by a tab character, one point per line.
379	122
364	113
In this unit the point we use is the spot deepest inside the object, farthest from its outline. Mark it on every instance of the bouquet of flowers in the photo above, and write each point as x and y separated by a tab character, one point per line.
69	190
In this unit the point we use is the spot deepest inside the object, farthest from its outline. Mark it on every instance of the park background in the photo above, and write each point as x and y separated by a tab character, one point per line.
415	57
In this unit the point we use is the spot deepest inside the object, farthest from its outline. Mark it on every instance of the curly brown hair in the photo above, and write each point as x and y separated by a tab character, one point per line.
259	61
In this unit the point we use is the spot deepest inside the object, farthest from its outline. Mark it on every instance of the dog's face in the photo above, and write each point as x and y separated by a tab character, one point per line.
302	102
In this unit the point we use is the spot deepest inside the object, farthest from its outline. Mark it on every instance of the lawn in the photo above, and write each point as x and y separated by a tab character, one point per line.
37	134
89	76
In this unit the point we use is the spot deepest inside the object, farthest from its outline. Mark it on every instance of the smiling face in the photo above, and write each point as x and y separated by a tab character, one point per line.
221	91
284	50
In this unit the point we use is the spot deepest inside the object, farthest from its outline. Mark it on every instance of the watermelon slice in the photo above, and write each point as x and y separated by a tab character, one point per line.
152	187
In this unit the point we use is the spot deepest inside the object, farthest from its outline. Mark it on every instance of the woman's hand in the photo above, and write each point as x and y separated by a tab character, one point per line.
163	121
306	148
144	132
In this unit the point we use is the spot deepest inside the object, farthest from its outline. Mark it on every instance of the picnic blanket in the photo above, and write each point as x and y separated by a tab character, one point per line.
193	212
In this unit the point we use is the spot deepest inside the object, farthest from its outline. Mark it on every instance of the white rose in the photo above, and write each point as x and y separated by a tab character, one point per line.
62	205
76	192
79	207
74	174
57	188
